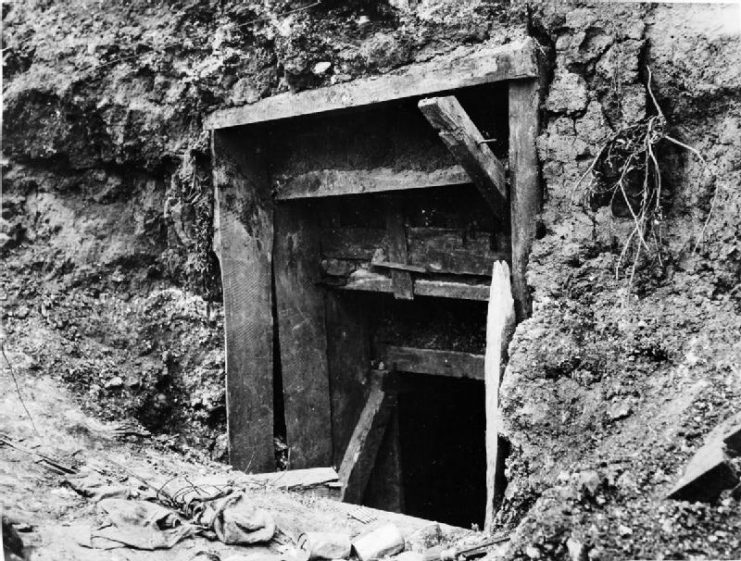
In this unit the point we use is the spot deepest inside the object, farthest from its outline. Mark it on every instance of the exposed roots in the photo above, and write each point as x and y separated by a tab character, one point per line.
626	170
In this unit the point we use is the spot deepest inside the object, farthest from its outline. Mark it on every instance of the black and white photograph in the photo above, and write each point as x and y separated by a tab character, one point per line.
370	280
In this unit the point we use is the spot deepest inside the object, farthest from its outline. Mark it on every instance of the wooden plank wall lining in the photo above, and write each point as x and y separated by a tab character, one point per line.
302	338
442	250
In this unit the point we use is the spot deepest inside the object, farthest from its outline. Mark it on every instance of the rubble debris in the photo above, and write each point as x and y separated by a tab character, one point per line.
384	541
424	538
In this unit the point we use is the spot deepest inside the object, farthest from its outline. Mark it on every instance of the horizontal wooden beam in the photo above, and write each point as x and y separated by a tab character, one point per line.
464	140
462	68
437	362
438	250
337	183
364	281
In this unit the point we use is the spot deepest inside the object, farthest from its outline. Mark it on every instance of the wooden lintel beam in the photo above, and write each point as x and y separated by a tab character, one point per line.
464	140
462	68
360	455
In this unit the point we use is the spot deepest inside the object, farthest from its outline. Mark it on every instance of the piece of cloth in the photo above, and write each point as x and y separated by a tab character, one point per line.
93	485
137	524
149	525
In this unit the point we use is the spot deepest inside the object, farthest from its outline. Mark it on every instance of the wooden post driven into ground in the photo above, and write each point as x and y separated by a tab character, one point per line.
243	241
525	192
500	323
302	338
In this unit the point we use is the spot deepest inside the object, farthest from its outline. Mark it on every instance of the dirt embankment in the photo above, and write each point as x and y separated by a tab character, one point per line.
110	283
109	277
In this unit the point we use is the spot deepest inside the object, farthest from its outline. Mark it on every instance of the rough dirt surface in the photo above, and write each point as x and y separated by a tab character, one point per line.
54	518
110	286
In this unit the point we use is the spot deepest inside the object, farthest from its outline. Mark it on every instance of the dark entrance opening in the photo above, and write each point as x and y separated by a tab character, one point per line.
443	456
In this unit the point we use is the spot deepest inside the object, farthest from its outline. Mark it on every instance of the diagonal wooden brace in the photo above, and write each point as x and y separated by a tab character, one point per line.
465	142
361	452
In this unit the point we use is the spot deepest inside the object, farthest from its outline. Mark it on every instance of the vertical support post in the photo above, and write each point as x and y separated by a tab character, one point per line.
500	322
401	281
525	193
302	337
348	362
243	242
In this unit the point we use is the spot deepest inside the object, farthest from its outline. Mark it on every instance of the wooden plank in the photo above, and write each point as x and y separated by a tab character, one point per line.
294	478
360	456
243	242
438	250
302	337
365	281
348	361
462	68
465	142
500	322
401	281
525	197
336	182
436	362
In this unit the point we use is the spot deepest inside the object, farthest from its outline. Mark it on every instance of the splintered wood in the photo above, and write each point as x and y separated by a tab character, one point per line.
500	321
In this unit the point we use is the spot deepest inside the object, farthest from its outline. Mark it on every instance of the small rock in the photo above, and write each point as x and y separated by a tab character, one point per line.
624	530
589	481
21	312
619	411
532	552
115	382
221	448
321	67
577	551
